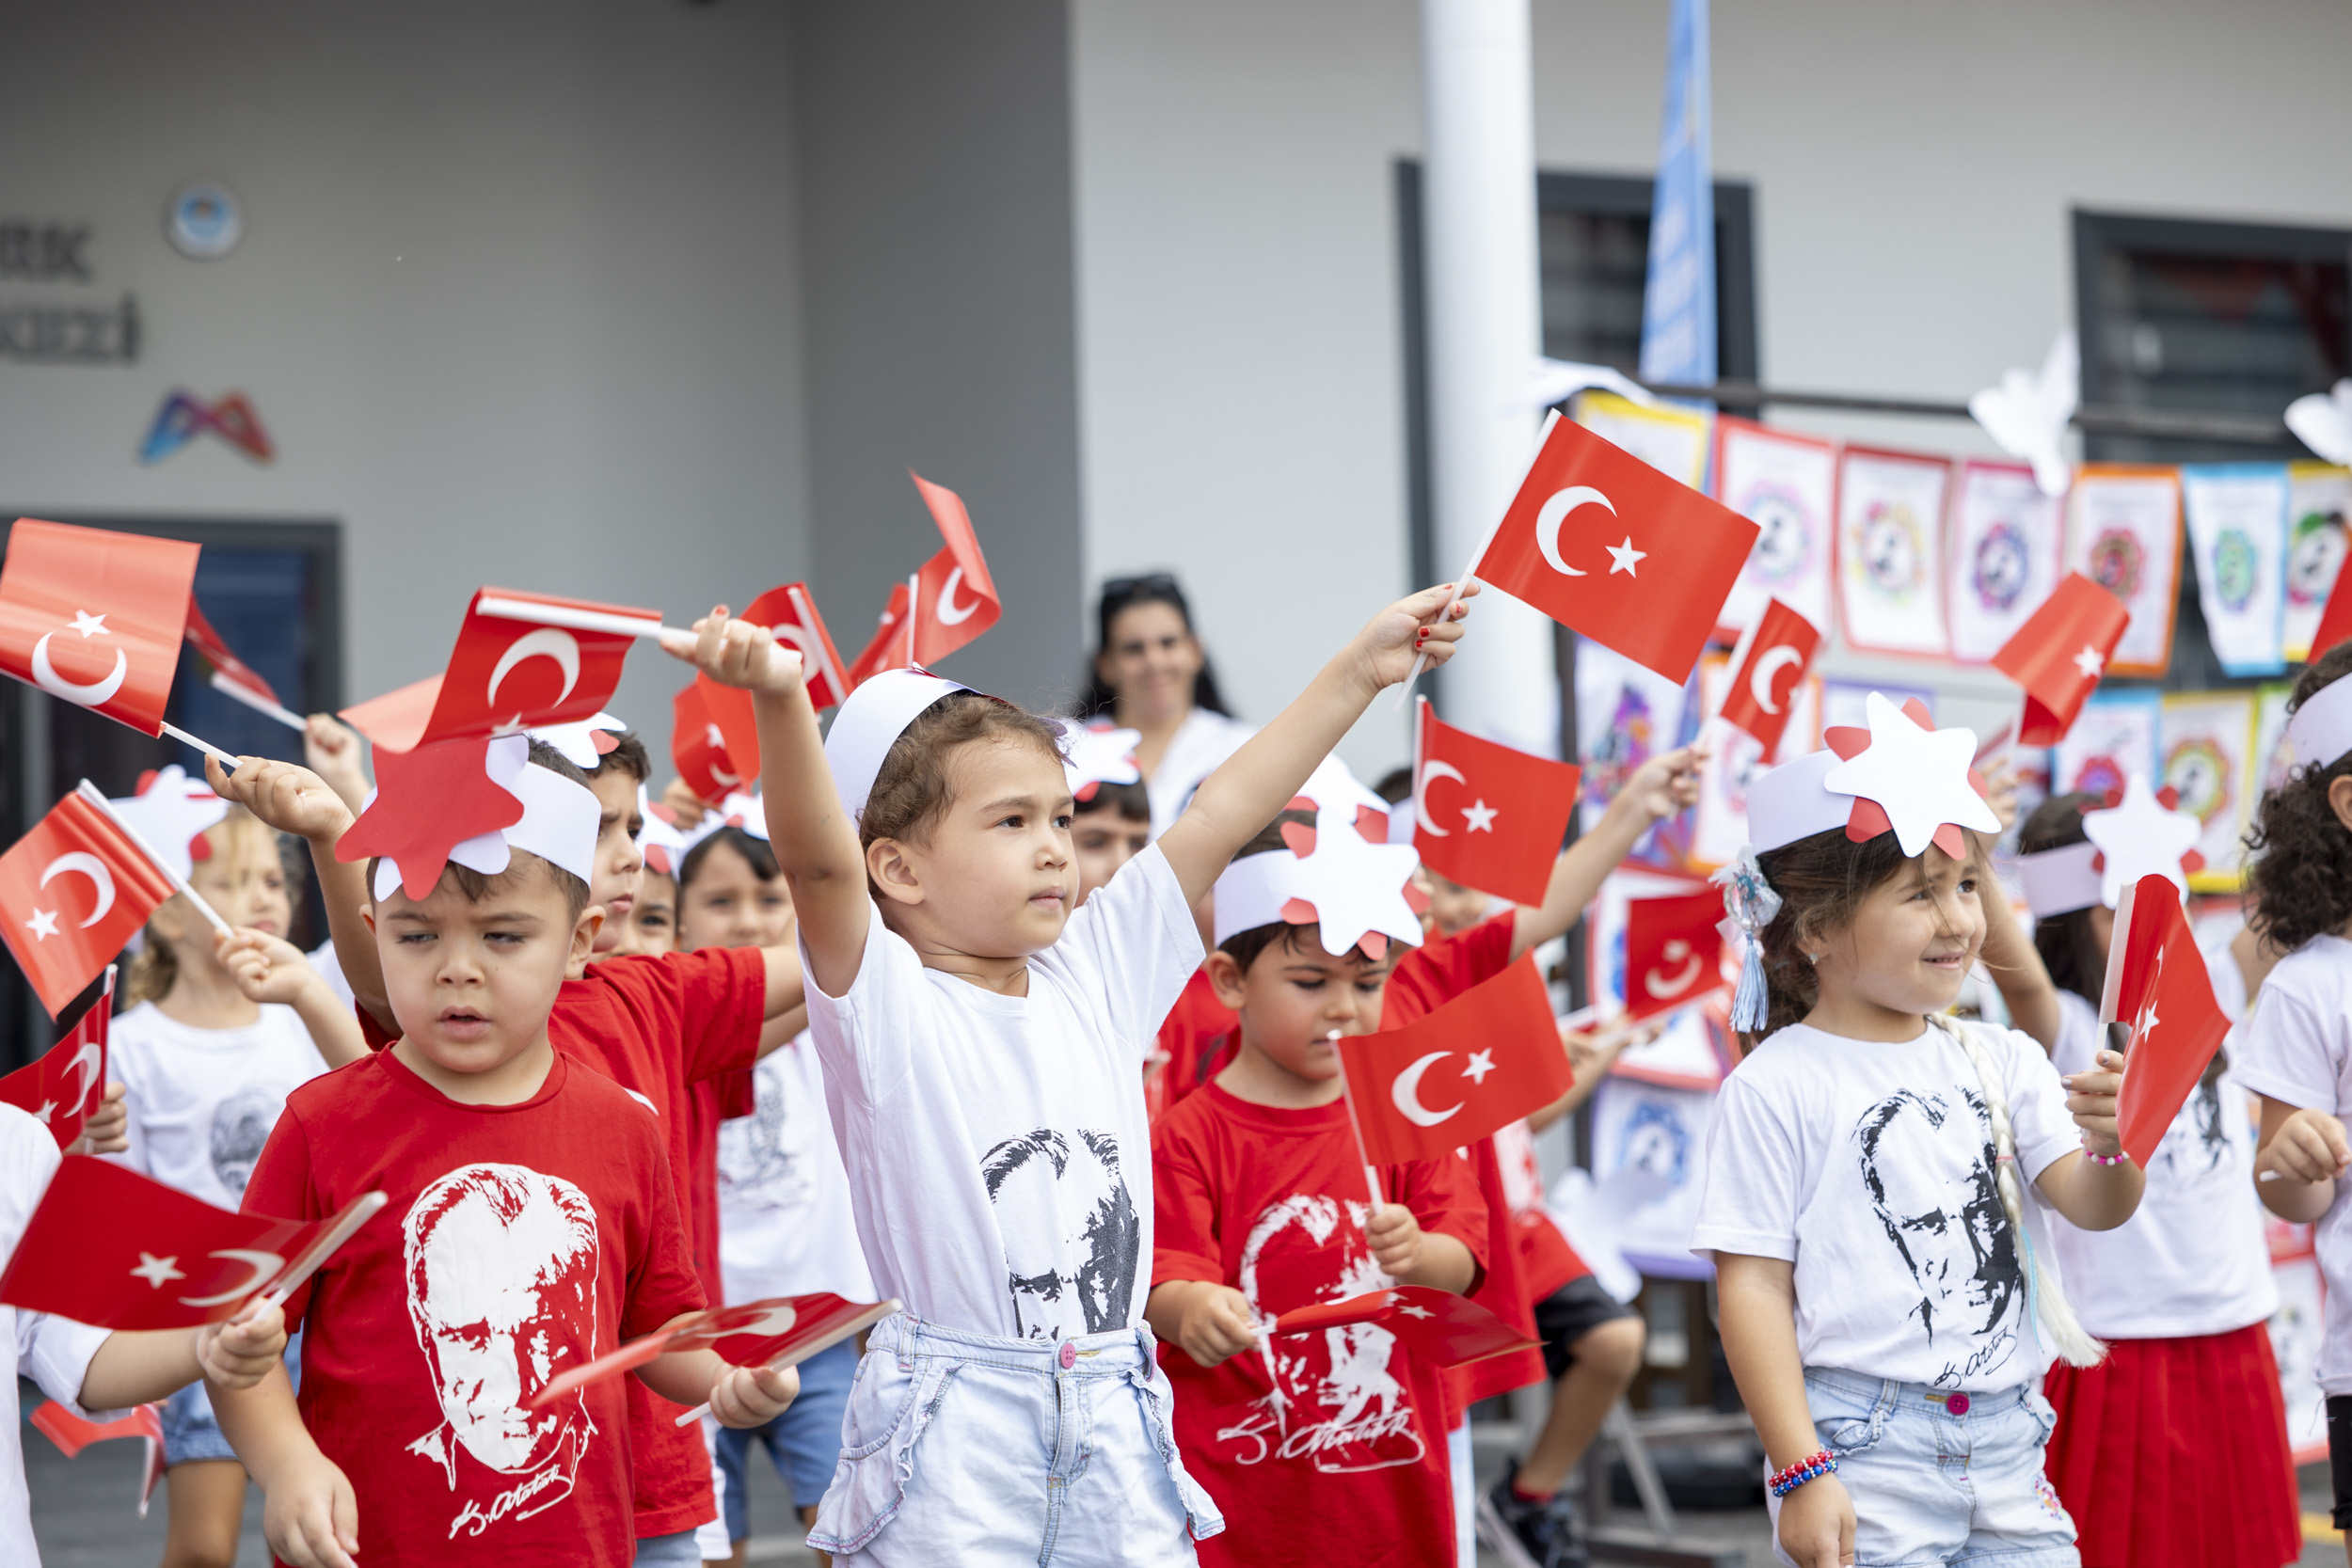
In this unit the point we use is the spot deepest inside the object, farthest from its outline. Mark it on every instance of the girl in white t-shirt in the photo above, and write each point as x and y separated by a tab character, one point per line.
2295	1048
1875	1171
215	1032
2173	1452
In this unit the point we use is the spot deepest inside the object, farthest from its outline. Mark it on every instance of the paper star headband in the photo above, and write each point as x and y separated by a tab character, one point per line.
173	812
661	841
870	723
586	744
1897	776
1093	757
2142	835
2321	730
474	802
1341	876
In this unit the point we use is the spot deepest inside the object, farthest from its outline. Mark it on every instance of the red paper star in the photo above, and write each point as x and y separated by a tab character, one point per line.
427	803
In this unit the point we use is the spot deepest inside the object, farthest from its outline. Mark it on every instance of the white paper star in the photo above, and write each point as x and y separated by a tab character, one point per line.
1099	756
1918	777
2140	838
88	625
1356	886
1481	1064
41	1115
44	925
157	1269
170	812
2090	663
1622	558
1480	817
2027	413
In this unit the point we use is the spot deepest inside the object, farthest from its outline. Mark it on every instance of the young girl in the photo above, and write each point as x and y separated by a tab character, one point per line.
1889	1299
216	1032
2173	1451
2296	1050
981	1044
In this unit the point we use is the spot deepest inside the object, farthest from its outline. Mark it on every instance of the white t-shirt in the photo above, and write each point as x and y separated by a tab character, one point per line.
1200	746
2295	1047
785	1225
1869	1166
999	1158
2193	1258
53	1352
202	1101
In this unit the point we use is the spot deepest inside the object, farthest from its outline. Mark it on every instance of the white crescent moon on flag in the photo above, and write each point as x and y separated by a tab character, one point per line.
950	614
812	653
546	642
1421	791
86	1063
1554	512
95	869
87	694
267	1266
1682	978
1405	1092
1770	663
770	1323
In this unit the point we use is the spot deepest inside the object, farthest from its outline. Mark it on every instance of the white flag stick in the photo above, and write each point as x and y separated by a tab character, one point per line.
91	793
1347	1098
915	600
202	745
344	1226
258	703
798	1353
577	618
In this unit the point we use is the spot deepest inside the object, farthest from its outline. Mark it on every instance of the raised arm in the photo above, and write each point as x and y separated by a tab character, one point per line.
297	801
1239	798
2018	972
1659	787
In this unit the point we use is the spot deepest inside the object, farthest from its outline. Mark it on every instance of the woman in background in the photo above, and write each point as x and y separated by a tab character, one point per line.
1150	676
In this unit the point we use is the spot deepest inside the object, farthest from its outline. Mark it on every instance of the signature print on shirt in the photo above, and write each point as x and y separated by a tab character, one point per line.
241	1125
499	1262
1072	1235
1926	1159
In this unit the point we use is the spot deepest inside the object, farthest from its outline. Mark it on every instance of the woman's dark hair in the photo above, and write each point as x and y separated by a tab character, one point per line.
757	852
2069	950
1124	593
2301	876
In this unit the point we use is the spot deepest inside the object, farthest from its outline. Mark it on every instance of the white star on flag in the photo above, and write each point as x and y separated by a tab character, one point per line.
44	925
89	625
1918	777
1411	1311
41	1115
1481	1064
1622	558
157	1269
2140	838
1480	817
2090	663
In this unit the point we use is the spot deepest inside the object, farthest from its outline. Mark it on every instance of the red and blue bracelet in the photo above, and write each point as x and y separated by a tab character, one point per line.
1802	1471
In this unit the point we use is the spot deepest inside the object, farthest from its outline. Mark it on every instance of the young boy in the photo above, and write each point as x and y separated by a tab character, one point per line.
537	1228
1328	1447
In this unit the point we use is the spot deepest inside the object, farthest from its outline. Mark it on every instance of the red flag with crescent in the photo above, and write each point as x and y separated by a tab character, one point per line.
729	758
2059	655
96	617
511	671
72	892
888	650
955	597
225	665
68	1083
698	746
2158	985
1771	664
780	1331
1438	1327
1455	1075
1609	546
1486	815
1673	951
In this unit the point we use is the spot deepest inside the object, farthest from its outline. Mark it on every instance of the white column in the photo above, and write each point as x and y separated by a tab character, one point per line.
1484	324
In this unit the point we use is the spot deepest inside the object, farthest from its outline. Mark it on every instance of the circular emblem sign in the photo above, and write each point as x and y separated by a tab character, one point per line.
203	221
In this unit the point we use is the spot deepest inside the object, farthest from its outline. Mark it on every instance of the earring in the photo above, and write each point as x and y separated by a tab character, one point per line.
1814	958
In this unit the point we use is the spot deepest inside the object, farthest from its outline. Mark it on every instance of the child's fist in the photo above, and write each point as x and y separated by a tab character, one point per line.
2309	1147
330	749
310	1515
1215	1325
1663	785
107	1130
264	968
737	653
2090	1098
239	1355
753	1396
2000	789
1817	1523
290	799
1396	1239
689	807
1411	626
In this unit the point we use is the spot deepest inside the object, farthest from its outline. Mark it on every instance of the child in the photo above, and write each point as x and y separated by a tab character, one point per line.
785	1225
533	1225
1888	1302
2295	1049
2173	1451
981	1045
1111	825
217	1032
1261	1205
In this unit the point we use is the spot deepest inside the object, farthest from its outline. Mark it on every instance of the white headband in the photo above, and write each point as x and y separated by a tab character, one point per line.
1347	885
870	721
577	743
660	841
559	823
1093	756
2062	881
2321	730
169	812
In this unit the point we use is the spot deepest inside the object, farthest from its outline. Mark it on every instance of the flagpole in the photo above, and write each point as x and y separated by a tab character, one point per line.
258	703
205	746
91	792
1347	1098
340	1229
575	619
915	599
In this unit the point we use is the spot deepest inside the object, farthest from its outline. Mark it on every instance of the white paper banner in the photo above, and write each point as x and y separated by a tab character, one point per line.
1625	715
2114	737
2237	530
2123	533
1890	551
2319	499
2007	538
1640	1126
1671	440
1785	484
2206	743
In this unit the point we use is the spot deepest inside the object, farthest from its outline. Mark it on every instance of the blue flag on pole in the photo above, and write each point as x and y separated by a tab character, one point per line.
1679	300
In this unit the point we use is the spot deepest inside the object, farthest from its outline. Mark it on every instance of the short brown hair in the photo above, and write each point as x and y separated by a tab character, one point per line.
474	886
1130	800
912	789
628	754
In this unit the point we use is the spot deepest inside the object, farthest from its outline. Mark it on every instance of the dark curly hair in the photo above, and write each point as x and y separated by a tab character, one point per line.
2069	950
2301	878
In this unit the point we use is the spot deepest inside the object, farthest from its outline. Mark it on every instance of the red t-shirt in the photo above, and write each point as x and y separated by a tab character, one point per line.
520	1240
1425	979
1194	1036
1347	1461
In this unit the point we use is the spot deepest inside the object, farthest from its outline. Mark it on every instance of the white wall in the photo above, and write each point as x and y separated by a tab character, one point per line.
517	299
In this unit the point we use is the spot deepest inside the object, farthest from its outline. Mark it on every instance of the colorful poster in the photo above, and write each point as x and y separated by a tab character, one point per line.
1847	702
2238	532
1625	715
1890	551
1672	440
1661	1130
2007	538
2123	533
2272	755
2114	737
2206	746
1735	757
1786	485
2319	501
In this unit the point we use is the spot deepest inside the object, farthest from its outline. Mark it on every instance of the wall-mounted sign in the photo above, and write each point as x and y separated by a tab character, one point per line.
181	418
51	252
203	221
70	334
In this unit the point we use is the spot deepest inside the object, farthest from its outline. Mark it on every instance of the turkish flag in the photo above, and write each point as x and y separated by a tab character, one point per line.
699	747
1435	1327
110	1247
1453	1076
1773	659
2158	985
1654	596
889	649
509	672
227	666
780	1331
791	614
73	1433
72	892
2061	652
2335	621
1673	951
1486	815
68	1082
95	617
955	597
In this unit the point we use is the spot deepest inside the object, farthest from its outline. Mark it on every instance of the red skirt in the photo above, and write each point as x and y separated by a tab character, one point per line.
2172	1453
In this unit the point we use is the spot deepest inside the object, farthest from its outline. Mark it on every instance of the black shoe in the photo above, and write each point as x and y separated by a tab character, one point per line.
1530	1535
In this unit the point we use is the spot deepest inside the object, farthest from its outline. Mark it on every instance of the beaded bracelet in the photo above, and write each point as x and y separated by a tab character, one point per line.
1802	1471
2098	1159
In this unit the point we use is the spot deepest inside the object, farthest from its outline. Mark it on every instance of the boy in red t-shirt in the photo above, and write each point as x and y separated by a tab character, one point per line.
1262	1205
537	1228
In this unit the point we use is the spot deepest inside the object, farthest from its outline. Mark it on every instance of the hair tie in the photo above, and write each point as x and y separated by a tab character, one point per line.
1749	906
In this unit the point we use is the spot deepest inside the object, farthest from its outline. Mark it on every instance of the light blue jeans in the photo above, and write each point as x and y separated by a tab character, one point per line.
1935	1485
966	1448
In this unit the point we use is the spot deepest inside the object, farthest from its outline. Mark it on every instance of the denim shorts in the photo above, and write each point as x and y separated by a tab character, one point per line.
981	1451
654	1550
1932	1486
804	1442
192	1433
